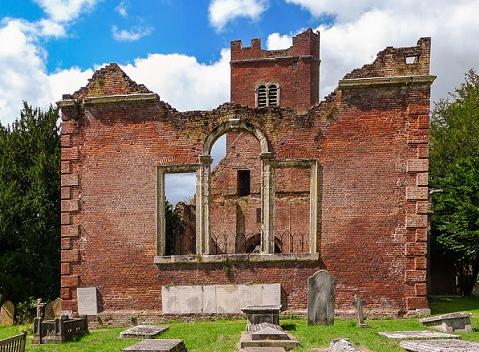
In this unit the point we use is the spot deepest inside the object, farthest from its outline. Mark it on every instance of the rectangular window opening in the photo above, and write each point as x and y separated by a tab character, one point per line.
411	59
244	183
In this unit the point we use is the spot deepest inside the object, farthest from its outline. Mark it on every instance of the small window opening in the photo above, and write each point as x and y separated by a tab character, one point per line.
244	183
273	95
261	96
411	59
258	215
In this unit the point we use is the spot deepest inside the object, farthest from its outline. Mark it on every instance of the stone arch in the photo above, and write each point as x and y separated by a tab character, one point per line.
235	125
267	184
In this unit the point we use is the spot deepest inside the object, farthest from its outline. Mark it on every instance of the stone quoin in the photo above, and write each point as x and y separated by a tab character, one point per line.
306	185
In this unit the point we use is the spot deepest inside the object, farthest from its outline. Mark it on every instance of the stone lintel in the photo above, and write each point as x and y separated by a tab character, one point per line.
120	98
251	257
382	81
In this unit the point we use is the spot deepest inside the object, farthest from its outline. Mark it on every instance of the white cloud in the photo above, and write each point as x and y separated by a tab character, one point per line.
182	81
360	31
65	10
131	35
277	41
223	11
121	9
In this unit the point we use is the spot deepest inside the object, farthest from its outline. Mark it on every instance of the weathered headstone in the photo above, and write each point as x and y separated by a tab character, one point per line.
151	345
7	313
359	311
87	300
417	335
57	308
321	298
143	331
49	313
450	345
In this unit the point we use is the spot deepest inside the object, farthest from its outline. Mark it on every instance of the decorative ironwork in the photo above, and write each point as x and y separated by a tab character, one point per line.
238	242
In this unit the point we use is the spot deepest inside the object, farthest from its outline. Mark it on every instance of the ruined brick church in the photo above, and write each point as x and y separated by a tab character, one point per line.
339	184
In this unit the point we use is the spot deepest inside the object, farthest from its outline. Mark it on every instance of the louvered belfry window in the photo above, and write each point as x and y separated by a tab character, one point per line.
273	95
261	96
267	95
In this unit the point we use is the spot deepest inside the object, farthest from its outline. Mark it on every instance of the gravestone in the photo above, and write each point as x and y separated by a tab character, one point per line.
143	331
321	298
261	314
87	301
359	311
57	308
7	313
449	322
151	345
450	345
417	335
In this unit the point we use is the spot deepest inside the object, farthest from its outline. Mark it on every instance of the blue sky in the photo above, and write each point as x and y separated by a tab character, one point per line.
180	48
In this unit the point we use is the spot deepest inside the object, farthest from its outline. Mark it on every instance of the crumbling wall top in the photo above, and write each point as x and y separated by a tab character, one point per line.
110	80
305	44
408	61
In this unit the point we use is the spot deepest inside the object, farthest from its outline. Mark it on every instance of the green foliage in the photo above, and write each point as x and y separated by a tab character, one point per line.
455	172
30	206
174	226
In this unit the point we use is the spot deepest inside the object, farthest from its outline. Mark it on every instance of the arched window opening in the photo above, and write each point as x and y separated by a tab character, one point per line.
273	95
261	96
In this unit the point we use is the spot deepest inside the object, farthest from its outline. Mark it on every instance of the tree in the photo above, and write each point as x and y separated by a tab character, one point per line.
455	172
30	205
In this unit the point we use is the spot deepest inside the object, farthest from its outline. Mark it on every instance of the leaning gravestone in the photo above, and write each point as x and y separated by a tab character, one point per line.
57	308
321	298
7	313
87	301
342	345
49	313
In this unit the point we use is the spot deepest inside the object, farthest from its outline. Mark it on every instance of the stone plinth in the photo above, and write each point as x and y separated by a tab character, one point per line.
246	341
449	322
151	345
417	335
143	331
440	346
261	314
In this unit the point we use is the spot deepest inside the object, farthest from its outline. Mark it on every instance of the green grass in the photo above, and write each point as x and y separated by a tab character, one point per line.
223	335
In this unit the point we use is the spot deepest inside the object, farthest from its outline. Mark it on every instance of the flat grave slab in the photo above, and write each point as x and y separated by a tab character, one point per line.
151	345
268	331
450	345
342	345
449	322
417	335
143	331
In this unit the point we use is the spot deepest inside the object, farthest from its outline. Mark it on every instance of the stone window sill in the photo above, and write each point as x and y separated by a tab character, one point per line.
251	257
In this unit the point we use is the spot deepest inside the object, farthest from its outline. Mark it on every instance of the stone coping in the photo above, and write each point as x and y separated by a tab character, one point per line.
109	99
264	308
247	257
436	318
381	81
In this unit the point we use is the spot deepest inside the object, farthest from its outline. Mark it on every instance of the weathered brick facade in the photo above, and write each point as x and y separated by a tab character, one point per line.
364	150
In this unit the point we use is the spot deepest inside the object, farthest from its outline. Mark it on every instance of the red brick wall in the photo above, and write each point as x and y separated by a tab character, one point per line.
371	144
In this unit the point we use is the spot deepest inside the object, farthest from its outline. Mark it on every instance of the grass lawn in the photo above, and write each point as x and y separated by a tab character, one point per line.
222	336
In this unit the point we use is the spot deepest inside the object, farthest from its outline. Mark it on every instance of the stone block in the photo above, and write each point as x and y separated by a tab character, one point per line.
70	230
414	221
250	295
227	299
422	151
416	193
70	205
70	153
209	299
271	294
69	180
417	165
182	299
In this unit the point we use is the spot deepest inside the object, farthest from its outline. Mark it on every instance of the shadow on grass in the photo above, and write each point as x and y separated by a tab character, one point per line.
289	327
